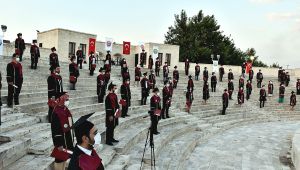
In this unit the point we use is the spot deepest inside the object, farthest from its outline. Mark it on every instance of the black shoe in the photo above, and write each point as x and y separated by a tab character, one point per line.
168	116
109	143
123	116
127	115
156	133
114	140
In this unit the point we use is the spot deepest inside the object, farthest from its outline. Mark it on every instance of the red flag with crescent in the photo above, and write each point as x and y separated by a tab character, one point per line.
92	45
126	47
248	67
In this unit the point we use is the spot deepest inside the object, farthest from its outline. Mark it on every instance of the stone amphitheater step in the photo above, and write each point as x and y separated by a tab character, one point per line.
33	162
18	123
24	132
12	151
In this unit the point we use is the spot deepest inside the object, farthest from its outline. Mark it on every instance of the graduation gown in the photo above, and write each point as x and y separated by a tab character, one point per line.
55	85
53	60
230	76
126	93
35	53
20	46
263	95
74	71
137	74
62	134
93	162
111	105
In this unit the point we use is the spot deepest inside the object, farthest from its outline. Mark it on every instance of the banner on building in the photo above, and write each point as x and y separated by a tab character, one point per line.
1	45
155	54
126	48
215	67
248	66
92	45
108	44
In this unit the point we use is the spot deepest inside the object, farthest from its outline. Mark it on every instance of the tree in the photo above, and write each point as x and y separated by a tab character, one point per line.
200	36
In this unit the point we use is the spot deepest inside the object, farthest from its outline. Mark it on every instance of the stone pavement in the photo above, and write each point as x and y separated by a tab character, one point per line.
250	147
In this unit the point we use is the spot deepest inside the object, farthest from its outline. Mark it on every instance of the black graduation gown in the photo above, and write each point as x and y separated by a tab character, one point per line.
55	85
14	73
126	94
35	53
53	60
74	71
20	45
111	105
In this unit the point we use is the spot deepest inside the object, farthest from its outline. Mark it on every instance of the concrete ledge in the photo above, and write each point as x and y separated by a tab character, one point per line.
296	150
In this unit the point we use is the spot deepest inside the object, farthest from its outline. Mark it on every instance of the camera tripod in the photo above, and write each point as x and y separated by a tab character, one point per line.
149	133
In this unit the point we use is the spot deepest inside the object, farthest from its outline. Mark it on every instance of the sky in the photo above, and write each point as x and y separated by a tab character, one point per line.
272	27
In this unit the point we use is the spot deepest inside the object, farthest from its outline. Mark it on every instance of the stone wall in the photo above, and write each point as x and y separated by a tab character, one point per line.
9	49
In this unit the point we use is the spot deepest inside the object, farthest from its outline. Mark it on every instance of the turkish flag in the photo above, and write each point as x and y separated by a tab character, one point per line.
126	48
248	67
92	45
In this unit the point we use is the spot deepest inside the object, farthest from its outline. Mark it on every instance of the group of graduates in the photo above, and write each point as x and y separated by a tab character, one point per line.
83	155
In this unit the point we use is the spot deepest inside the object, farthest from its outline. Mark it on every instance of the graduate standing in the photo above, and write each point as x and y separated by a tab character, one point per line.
14	77
101	87
262	97
55	88
225	101
126	96
35	54
155	110
20	46
111	108
62	134
175	77
84	156
74	72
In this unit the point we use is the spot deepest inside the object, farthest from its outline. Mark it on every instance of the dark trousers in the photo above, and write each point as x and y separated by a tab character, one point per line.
79	62
258	83
197	77
175	85
261	103
110	133
186	72
100	97
247	96
124	110
156	72
165	111
21	55
221	77
33	63
13	94
287	83
298	91
50	111
91	72
230	95
154	122
72	86
144	97
213	87
224	110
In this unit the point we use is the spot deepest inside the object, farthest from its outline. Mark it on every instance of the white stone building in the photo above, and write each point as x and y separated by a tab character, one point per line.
67	42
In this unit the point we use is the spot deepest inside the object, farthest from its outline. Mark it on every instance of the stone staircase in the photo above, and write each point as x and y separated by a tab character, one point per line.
25	137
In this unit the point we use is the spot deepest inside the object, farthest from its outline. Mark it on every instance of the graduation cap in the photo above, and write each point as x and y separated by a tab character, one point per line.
52	68
110	86
175	67
292	92
225	89
190	76
82	127
19	34
72	57
145	74
34	41
53	49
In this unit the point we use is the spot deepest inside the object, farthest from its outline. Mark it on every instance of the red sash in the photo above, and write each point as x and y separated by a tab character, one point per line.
92	162
73	79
